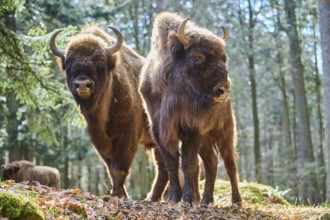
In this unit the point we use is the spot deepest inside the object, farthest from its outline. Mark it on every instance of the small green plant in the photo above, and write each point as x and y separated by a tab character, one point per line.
52	210
33	195
276	192
276	195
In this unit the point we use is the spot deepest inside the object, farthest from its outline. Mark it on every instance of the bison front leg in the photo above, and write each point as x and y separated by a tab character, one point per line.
161	178
210	162
190	167
118	177
118	166
171	162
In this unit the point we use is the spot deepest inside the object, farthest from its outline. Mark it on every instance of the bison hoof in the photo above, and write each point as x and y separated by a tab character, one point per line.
237	202
189	198
237	205
152	199
236	199
207	200
174	198
119	193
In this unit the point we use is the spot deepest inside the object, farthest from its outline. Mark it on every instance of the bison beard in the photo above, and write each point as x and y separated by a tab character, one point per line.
186	91
104	82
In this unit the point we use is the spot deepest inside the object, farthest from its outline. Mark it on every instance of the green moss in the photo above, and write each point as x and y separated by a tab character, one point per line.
326	216
251	192
16	207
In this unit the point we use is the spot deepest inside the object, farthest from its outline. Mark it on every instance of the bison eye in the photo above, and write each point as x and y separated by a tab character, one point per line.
197	59
100	66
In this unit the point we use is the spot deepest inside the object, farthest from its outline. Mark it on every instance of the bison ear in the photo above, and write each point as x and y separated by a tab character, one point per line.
61	65
224	58
174	44
111	61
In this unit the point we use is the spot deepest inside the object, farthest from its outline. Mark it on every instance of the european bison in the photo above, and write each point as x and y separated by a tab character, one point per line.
103	76
186	89
23	170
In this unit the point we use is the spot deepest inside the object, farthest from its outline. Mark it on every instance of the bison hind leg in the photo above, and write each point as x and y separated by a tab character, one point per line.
228	156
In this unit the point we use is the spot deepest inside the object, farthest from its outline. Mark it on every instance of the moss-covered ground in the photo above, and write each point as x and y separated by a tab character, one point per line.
19	207
22	201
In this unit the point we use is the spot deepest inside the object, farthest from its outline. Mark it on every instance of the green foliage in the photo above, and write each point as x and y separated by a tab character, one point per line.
11	5
30	76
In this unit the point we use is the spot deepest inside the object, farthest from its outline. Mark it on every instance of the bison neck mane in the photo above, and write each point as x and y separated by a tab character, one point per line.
116	101
97	116
188	112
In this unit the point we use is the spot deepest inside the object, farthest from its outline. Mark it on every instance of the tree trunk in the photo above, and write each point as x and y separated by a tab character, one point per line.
2	123
139	177
243	161
133	11
148	10
324	19
309	189
288	152
285	105
253	85
320	133
12	127
12	105
97	180
90	176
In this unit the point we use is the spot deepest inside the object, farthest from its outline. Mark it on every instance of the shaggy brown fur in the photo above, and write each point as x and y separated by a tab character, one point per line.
23	170
105	86
186	90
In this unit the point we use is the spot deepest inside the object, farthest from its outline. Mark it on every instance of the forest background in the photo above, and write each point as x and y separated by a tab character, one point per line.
279	91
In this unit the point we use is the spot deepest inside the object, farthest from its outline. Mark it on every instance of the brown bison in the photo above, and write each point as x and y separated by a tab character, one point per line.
103	76
186	89
23	170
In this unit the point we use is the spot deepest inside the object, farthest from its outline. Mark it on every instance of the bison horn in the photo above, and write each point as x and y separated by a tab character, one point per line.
225	33
114	48
180	32
53	47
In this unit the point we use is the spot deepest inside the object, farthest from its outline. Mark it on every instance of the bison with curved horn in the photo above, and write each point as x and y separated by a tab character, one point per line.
186	90
103	76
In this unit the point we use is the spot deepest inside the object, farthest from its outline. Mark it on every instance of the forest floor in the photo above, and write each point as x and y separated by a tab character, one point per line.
33	202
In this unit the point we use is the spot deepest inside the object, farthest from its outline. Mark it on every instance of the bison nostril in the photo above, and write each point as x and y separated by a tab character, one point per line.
220	91
83	84
76	85
89	84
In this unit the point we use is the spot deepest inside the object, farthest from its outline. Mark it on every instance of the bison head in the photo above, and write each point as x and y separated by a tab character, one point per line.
88	62
198	60
9	172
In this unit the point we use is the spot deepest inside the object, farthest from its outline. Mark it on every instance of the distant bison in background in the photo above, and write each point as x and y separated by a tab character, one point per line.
23	170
